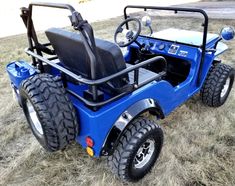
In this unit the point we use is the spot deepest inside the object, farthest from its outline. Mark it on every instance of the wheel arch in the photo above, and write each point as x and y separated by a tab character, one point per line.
132	112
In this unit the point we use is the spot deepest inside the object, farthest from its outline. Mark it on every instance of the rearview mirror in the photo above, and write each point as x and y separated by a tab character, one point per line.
146	21
227	33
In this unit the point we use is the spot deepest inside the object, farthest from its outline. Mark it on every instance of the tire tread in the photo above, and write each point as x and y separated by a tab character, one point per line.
55	110
134	132
211	90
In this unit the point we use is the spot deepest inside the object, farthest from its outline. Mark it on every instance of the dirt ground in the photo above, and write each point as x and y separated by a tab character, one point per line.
199	147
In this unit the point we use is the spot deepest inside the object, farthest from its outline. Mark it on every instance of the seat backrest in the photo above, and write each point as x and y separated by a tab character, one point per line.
71	52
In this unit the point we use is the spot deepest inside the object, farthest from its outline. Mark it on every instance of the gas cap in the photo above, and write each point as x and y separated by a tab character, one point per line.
21	70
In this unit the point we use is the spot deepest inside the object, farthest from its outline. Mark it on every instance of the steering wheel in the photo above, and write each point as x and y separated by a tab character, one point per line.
128	36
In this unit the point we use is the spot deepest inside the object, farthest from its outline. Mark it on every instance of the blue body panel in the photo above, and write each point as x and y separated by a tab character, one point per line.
18	71
97	124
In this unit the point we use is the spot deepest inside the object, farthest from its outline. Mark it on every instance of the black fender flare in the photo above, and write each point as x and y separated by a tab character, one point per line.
125	118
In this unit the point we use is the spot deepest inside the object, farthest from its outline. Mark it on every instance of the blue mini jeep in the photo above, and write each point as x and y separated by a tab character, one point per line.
82	88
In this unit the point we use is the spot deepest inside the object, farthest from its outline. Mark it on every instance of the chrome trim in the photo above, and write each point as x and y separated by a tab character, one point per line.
34	118
225	88
144	153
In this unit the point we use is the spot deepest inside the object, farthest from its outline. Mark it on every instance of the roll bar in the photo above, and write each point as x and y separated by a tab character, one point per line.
78	23
52	5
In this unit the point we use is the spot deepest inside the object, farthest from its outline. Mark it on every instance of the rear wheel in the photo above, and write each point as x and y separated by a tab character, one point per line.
49	111
137	150
218	85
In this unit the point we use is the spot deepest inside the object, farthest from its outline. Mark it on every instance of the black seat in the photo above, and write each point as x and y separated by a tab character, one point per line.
71	52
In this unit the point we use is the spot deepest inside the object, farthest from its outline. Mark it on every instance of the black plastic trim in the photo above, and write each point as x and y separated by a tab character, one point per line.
124	120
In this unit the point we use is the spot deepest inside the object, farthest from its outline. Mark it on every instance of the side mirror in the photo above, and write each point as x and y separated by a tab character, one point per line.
146	21
227	33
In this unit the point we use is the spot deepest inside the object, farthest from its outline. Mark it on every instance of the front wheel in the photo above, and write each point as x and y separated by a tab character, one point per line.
218	85
137	150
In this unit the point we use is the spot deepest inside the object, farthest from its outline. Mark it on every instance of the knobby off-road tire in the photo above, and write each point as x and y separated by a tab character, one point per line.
142	136
49	111
217	85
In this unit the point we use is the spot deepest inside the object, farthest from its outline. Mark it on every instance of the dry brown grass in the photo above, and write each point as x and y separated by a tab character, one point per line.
199	147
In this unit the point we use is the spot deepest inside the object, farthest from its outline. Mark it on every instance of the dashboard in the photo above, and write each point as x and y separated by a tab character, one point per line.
168	48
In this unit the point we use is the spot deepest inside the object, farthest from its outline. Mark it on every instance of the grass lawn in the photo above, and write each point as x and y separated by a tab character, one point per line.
199	147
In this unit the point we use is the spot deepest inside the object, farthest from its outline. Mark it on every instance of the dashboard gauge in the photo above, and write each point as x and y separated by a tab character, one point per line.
161	46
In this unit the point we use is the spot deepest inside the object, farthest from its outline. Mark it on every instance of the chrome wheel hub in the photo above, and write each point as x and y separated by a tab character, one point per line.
144	153
226	88
34	118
